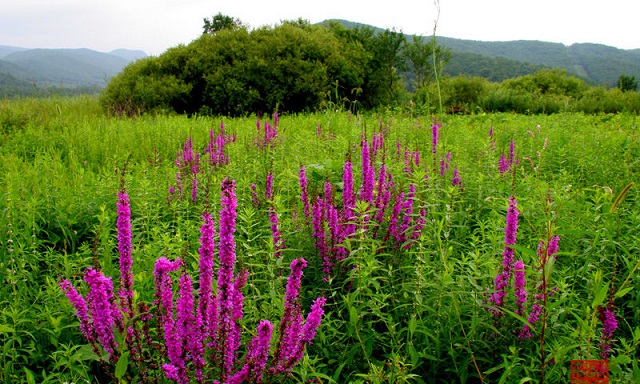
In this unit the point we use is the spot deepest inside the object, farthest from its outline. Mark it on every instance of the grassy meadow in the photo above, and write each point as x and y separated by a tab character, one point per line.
411	289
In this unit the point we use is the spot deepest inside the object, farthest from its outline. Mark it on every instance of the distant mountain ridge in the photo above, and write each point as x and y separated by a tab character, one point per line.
596	63
64	67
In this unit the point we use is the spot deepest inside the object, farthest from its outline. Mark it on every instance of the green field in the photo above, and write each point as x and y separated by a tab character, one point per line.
408	290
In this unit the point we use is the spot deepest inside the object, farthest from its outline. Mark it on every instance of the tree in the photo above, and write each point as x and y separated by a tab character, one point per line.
388	63
627	83
419	56
220	22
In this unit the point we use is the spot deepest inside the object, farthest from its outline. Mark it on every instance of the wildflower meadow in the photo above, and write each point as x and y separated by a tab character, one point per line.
325	247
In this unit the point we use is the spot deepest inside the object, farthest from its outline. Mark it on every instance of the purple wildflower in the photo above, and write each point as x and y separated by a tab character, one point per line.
100	302
81	308
554	245
368	174
319	234
519	284
456	180
304	193
609	325
257	356
124	248
227	256
383	195
502	279
164	295
268	189
308	331
278	242
420	224
254	196
394	231
290	326
507	164
348	199
207	250
194	189
407	219
434	137
185	327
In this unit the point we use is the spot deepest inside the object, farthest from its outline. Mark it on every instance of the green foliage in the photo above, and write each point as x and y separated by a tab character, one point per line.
290	67
220	22
395	315
627	83
548	82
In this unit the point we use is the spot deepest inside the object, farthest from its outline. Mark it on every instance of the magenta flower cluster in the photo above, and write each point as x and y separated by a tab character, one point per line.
216	149
507	164
267	134
545	252
334	220
199	330
609	325
101	314
189	164
501	281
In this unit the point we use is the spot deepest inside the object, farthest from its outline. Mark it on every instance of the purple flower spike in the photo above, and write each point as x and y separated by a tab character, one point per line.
456	180
309	329
368	174
124	248
609	325
256	359
226	291
207	250
103	313
502	279
435	128
81	308
304	193
519	283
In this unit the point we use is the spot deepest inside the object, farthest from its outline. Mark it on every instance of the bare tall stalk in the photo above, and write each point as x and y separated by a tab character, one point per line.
434	46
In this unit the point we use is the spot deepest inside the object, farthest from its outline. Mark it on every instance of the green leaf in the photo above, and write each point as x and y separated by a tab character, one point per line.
601	294
353	316
29	375
620	360
412	325
623	292
121	366
85	353
6	329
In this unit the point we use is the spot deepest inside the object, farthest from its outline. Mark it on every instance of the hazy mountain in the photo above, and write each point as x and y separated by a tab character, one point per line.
64	67
128	54
5	50
601	64
598	64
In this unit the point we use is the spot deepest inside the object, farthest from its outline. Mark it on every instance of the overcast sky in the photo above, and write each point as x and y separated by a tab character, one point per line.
155	25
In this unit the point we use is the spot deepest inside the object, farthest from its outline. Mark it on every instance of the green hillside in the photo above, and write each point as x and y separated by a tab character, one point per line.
600	64
596	63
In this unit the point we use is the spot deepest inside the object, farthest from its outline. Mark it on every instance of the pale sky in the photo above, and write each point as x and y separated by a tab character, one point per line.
155	25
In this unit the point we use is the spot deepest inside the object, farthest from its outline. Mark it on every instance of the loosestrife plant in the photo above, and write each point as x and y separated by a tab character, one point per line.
198	333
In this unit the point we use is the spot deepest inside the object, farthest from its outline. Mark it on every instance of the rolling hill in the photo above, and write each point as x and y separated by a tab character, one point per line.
596	63
64	67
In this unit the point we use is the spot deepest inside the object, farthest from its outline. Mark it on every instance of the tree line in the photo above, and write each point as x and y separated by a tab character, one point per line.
295	66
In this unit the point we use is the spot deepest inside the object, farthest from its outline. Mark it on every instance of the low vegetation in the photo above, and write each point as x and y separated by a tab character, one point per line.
490	247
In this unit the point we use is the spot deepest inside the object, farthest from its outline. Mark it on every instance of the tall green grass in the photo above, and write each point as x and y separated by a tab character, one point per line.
395	315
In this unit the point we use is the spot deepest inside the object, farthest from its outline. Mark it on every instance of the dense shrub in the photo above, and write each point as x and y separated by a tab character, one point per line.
290	67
